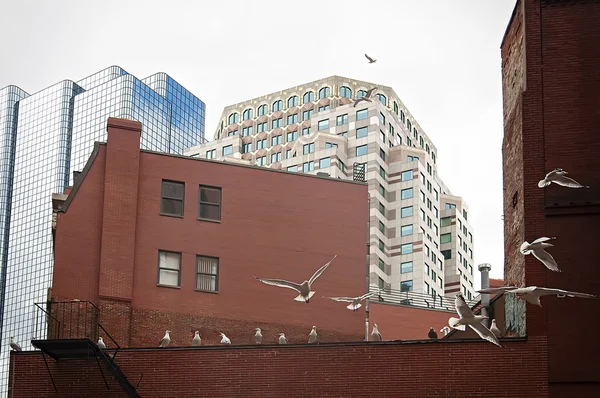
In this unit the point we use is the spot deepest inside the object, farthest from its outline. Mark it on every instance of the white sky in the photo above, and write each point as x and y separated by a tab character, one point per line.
441	57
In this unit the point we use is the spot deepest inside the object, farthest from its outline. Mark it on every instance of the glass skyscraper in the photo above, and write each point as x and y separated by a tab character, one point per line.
46	136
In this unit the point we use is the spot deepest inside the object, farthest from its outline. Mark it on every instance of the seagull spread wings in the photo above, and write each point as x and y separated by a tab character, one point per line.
280	283
485	333
371	60
351	299
463	309
320	271
493	290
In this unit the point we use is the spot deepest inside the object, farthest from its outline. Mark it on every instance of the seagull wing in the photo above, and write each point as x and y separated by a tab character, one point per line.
540	240
492	290
320	271
279	283
357	101
344	299
369	58
567	182
546	259
462	308
485	333
546	291
367	295
370	92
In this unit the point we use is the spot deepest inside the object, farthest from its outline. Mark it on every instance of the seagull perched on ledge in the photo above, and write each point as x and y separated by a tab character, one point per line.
14	344
375	335
258	336
474	321
282	339
101	344
312	336
165	340
558	176
354	301
537	249
533	293
303	288
196	341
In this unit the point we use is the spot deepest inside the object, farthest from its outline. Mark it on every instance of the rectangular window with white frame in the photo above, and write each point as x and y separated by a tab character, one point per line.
169	268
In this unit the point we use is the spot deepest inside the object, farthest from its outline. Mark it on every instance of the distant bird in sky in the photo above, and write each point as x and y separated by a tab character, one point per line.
537	249
432	334
312	336
366	97
445	330
303	288
494	329
196	341
371	60
258	336
165	340
558	176
533	293
101	344
14	345
224	339
474	321
282	339
375	335
354	301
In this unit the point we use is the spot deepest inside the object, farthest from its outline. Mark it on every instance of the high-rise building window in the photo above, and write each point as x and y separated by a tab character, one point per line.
293	168
447	254
261	144
345	92
227	150
341	119
172	194
323	108
169	265
382	98
382	119
260	127
277	106
445	238
324	163
381	190
209	203
211	154
382	154
261	161
291	119
406	286
306	115
308	148
262	110
308	166
406	248
306	131
362	150
233	118
381	264
330	145
247	147
247	115
362	132
381	246
276	157
277	139
406	212
381	208
323	124
246	131
276	123
406	193
381	227
292	136
292	101
407	175
406	230
308	96
406	267
446	221
324	92
362	114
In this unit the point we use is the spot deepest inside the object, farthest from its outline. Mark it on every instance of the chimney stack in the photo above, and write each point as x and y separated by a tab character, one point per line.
485	269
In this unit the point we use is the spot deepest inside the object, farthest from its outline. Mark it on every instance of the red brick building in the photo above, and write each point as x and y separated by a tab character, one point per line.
551	90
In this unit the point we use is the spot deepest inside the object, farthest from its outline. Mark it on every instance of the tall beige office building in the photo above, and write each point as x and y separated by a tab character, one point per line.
421	240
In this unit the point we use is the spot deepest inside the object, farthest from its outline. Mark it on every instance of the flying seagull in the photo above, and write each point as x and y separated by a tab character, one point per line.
14	345
312	336
445	330
165	340
432	334
303	288
537	249
282	339
494	329
375	335
474	321
258	336
366	97
224	339
196	341
101	344
533	293
354	301
371	60
558	176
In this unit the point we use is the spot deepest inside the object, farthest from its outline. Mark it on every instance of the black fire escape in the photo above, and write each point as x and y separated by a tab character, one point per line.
72	329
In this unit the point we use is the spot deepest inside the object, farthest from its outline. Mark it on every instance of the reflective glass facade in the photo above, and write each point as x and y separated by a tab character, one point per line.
53	136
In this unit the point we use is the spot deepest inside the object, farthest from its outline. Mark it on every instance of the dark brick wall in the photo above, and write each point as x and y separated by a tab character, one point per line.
430	369
551	60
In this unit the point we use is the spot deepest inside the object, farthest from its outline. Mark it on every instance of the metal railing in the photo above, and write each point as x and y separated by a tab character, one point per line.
417	299
67	320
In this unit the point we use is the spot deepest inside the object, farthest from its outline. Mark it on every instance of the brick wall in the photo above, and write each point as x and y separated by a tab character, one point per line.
406	323
551	93
427	369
